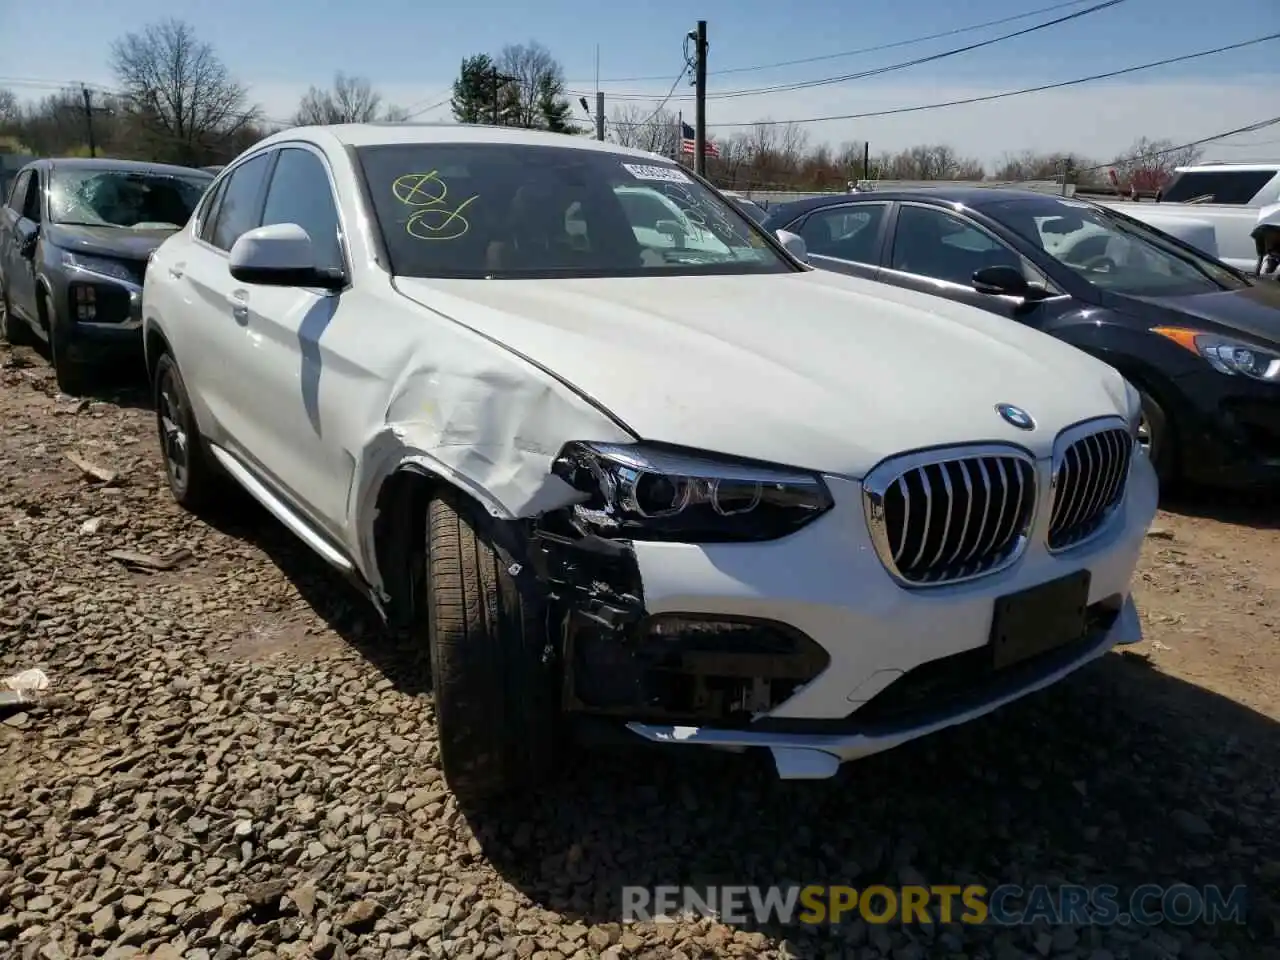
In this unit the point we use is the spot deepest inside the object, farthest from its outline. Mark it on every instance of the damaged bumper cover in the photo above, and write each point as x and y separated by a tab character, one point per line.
816	755
843	662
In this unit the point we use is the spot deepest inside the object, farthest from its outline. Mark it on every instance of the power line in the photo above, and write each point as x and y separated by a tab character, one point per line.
1249	145
414	112
889	68
75	85
1251	128
1007	93
854	53
683	73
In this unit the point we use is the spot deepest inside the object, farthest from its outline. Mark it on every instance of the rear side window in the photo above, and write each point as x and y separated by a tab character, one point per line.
238	206
207	216
1218	186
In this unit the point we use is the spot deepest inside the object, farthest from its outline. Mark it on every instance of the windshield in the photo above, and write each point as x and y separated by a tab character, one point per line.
506	211
1111	252
124	198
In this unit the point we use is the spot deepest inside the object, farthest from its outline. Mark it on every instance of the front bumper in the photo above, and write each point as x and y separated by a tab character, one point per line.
828	583
98	342
1230	429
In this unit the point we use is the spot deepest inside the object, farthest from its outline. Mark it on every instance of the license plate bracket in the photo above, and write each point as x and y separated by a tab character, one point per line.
1039	619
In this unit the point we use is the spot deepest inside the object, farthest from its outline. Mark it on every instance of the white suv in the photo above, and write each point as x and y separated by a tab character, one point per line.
697	495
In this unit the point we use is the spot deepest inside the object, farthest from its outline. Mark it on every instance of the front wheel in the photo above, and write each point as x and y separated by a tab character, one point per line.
13	330
496	702
1156	435
193	480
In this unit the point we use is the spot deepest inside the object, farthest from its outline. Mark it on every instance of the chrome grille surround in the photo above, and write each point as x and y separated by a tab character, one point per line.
946	516
1091	463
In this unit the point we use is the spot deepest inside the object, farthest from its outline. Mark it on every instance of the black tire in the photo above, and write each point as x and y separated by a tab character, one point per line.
496	696
70	376
194	481
13	330
1162	446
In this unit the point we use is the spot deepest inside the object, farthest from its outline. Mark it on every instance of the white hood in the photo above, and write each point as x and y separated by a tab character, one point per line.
1268	216
811	369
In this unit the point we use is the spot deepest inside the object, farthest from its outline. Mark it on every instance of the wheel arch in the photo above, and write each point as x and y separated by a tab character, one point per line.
154	343
398	534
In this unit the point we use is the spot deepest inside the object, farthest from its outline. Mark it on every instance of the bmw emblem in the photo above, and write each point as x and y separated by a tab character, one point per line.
1015	416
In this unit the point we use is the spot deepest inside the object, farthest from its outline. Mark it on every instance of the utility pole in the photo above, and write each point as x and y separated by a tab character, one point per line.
599	100
88	118
700	100
498	80
866	159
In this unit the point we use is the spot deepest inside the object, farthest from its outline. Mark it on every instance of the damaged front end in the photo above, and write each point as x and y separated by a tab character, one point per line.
620	661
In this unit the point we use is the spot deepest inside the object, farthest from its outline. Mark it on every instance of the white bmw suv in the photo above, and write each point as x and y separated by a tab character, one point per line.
689	492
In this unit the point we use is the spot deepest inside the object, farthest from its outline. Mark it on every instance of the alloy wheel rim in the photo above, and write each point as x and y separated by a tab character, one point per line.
173	435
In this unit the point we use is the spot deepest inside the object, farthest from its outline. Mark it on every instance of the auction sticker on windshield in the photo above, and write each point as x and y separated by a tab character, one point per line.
666	174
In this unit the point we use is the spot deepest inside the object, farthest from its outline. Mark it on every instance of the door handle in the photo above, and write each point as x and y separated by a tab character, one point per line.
240	305
175	271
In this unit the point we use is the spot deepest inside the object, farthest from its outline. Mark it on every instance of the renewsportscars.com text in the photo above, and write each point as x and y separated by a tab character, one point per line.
1007	905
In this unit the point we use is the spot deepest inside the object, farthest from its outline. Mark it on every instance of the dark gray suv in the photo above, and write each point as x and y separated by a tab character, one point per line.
75	236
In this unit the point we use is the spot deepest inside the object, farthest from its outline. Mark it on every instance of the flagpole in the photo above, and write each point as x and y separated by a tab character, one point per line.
679	157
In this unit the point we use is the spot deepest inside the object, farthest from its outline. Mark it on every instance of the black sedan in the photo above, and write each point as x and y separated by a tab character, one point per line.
1199	339
75	236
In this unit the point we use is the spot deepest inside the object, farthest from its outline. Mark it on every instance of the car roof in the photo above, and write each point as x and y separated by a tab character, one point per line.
125	166
399	134
974	197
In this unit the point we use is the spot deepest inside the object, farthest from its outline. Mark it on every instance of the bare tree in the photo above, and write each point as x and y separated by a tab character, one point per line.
1148	164
10	112
350	100
538	82
1030	165
632	125
927	162
177	91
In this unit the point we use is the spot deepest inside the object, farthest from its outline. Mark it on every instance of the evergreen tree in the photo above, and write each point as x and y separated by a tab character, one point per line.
556	113
479	82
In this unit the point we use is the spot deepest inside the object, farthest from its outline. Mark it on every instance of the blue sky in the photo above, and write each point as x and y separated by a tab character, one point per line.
411	51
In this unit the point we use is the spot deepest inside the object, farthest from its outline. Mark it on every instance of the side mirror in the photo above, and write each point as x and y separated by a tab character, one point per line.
794	244
1001	282
673	229
281	255
27	246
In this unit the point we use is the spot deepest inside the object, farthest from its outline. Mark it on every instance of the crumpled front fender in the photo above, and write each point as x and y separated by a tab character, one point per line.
484	421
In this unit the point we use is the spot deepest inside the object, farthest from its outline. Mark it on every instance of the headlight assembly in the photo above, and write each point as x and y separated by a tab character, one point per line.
99	266
646	493
1227	355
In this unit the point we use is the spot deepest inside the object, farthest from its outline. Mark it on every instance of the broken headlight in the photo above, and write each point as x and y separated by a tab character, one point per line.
647	493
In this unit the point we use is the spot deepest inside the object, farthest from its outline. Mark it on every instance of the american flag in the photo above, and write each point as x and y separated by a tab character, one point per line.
688	144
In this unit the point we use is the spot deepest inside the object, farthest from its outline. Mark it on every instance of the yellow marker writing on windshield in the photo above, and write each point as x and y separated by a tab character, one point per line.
432	219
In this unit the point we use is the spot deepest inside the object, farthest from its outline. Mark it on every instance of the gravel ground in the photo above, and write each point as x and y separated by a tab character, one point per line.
236	762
